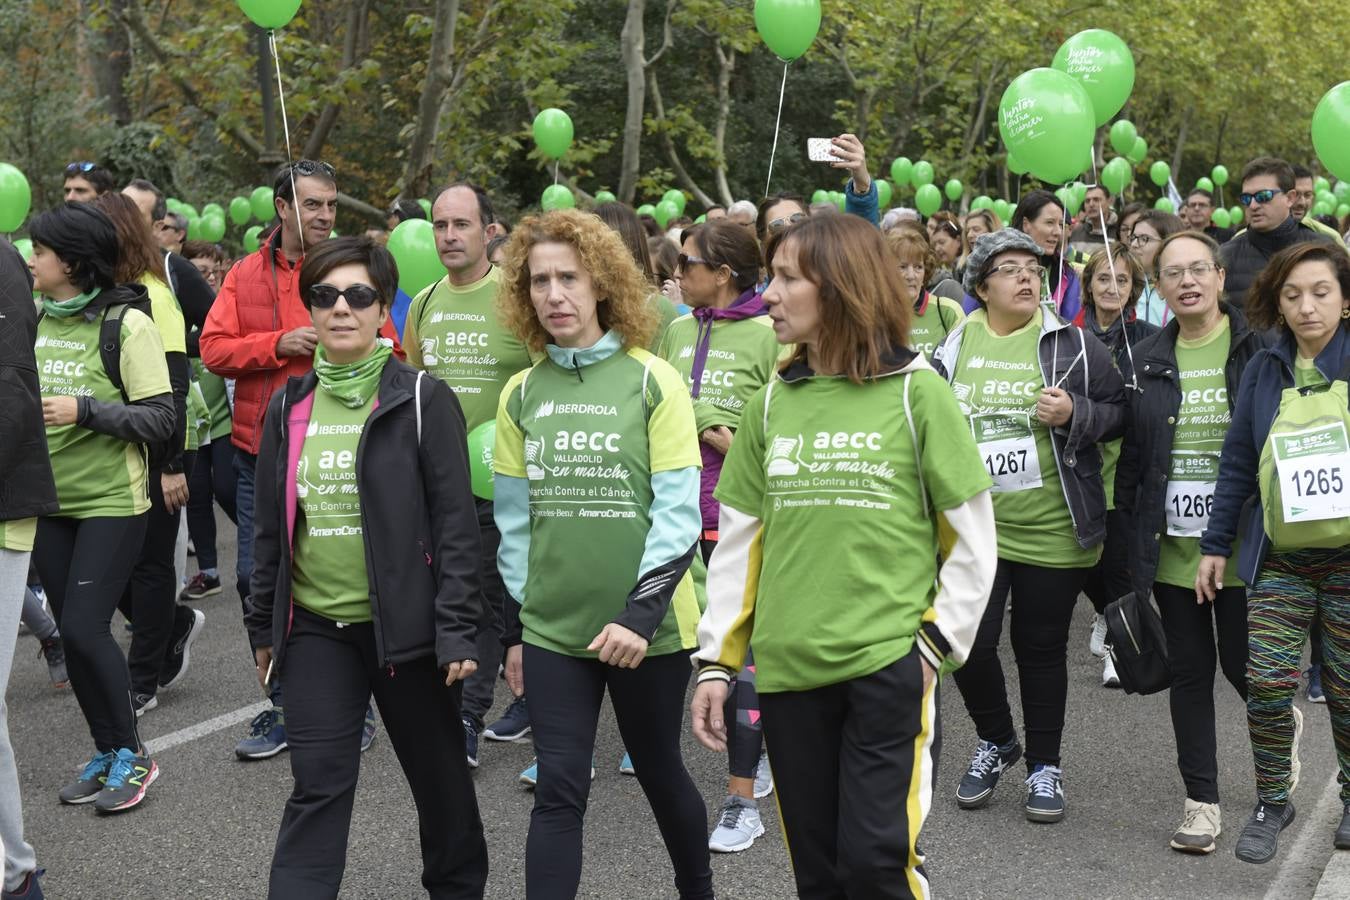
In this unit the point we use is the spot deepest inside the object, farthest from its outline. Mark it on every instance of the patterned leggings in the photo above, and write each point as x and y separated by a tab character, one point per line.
1292	590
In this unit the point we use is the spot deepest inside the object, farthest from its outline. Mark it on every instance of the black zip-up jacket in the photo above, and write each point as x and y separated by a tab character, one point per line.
418	519
1146	452
27	488
1246	255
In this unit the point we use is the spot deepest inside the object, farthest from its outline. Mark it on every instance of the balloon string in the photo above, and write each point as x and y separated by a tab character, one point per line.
555	171
286	130
777	123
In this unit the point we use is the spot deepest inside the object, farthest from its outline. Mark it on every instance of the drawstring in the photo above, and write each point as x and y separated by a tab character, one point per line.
576	368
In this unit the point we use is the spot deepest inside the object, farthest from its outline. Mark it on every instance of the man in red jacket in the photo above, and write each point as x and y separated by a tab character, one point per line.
259	334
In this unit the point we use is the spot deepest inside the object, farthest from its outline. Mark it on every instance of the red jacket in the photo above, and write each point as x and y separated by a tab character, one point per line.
257	304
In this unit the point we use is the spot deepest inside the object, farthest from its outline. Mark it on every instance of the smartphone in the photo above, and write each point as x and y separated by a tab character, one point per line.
821	150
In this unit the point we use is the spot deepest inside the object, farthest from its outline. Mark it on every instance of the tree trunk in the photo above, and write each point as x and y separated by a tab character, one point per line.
356	16
1181	140
440	72
681	173
726	62
270	156
112	63
632	41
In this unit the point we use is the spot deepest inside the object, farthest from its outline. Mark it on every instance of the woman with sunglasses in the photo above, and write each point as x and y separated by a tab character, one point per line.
1040	396
365	581
1150	229
726	350
1112	283
934	315
1303	297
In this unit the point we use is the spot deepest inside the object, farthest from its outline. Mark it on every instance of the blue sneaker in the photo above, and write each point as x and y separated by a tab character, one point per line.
514	723
470	743
127	781
28	889
529	776
266	735
85	788
626	765
368	730
1045	794
1314	693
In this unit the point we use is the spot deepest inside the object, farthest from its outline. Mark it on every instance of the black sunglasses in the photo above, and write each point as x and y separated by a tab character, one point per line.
1262	196
77	168
309	167
358	296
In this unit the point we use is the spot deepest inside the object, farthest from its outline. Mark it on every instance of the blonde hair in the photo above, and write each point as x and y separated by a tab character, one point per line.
621	290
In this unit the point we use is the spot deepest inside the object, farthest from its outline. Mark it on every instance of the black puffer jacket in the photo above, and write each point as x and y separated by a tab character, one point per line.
1246	255
1146	452
26	485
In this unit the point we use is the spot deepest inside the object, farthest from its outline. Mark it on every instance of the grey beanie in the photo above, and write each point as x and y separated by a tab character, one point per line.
988	246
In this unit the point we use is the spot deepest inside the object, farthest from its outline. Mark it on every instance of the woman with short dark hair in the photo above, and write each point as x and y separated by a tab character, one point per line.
1040	214
365	581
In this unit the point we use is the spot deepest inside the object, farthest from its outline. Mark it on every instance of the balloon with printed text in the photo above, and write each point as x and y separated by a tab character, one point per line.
1045	118
1102	63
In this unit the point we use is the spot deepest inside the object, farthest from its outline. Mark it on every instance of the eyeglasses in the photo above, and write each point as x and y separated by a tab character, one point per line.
1013	270
1199	204
1197	270
1142	240
79	168
305	167
778	225
358	296
684	261
1262	196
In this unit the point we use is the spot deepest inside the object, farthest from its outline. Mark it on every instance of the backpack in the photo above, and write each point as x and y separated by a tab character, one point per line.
1137	645
157	453
1304	473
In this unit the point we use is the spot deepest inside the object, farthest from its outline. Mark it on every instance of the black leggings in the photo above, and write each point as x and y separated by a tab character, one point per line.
565	694
84	565
1109	580
149	600
1042	607
745	728
212	479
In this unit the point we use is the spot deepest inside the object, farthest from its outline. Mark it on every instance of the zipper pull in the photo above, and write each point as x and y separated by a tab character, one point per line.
391	670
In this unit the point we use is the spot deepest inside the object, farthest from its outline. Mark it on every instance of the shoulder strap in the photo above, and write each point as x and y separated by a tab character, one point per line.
168	273
110	344
942	319
914	439
417	402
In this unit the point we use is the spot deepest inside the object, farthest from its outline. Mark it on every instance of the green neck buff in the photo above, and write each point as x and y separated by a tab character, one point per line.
352	384
64	309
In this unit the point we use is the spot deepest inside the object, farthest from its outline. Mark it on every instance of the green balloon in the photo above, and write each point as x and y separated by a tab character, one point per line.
1045	118
928	199
270	14
677	197
665	211
557	196
212	227
264	209
188	211
953	189
923	173
1069	198
15	198
1326	197
194	230
603	197
787	26
213	209
172	204
1164	204
1220	175
1343	210
701	219
1322	209
820	195
1159	172
1341	189
885	193
1221	218
1320	184
553	132
251	238
1331	130
1079	192
902	171
1236	214
1138	151
240	211
1103	65
1204	184
838	198
1116	175
25	248
426	206
1003	209
482	440
1015	165
647	209
982	202
413	246
1123	134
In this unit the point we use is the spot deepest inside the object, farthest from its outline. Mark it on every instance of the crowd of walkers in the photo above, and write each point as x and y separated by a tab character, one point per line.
823	456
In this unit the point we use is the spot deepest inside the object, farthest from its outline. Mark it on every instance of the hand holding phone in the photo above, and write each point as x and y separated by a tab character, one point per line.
821	150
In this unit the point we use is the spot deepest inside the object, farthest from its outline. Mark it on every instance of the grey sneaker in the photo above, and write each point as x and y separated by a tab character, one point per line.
978	784
128	778
1045	794
763	777
1260	838
738	828
1199	828
85	788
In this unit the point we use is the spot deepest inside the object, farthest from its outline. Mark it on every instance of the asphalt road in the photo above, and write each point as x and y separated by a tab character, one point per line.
208	824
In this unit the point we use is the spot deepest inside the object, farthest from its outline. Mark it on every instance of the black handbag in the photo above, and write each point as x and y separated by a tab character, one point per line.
1138	645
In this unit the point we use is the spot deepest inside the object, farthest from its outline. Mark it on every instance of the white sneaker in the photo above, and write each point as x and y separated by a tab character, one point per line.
738	828
1109	677
1097	641
1199	828
1295	767
763	777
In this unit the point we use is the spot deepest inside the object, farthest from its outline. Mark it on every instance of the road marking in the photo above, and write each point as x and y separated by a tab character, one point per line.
202	729
1310	851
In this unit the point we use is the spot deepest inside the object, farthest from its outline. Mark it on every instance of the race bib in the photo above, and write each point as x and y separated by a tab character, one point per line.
1008	447
1190	492
1314	468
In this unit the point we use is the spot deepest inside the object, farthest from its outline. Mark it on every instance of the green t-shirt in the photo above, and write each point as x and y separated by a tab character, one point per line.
167	314
217	400
848	552
1110	459
18	534
929	328
1306	374
198	418
666	313
98	474
454	333
329	555
996	380
742	356
589	449
1202	423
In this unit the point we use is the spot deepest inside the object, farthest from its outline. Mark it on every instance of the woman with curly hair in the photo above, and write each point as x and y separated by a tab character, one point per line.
597	498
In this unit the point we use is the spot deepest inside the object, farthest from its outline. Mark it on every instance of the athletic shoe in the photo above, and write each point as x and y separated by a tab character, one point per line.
1295	766
28	889
85	788
1097	640
1314	692
51	650
266	735
1109	677
1045	794
514	723
1199	827
180	650
1260	837
738	828
143	703
470	743
978	784
529	776
368	729
626	765
763	777
1343	830
127	780
200	587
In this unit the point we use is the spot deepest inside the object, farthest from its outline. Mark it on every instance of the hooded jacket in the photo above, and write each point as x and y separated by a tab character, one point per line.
1246	255
27	488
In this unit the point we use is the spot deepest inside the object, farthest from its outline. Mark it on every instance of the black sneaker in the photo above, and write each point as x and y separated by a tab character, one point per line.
1045	794
978	784
470	743
186	629
514	723
1260	838
143	703
200	587
29	889
1343	830
85	788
